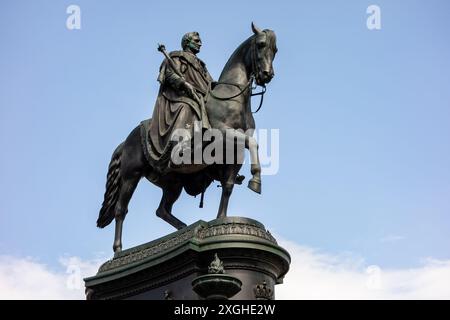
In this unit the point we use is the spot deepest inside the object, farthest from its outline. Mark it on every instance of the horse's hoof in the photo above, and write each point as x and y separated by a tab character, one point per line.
117	250
255	185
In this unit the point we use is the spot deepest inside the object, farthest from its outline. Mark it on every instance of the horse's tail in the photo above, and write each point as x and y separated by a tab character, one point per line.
113	183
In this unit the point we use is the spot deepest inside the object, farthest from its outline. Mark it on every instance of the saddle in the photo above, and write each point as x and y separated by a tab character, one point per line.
163	163
159	166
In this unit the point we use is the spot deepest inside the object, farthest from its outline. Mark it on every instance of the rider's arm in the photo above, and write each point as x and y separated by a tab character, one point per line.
172	78
177	82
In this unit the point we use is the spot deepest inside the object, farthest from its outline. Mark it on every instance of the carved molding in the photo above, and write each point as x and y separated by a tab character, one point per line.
235	229
200	232
133	285
140	255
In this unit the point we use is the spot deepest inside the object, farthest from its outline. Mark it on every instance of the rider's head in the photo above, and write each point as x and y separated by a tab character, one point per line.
191	42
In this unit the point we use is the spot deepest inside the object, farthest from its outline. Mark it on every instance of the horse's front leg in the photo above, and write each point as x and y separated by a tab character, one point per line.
228	179
255	182
252	146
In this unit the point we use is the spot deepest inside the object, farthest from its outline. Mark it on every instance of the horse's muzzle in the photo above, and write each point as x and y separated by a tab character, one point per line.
264	77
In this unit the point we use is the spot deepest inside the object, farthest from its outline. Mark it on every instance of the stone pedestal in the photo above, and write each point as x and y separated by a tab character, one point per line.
170	267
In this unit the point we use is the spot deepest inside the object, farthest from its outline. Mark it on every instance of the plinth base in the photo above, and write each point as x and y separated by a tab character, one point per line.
166	268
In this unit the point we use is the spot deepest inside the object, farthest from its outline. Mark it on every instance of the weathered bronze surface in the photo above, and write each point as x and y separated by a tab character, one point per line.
188	94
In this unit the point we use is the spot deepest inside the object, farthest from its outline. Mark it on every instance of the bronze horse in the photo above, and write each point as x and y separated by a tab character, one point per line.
228	107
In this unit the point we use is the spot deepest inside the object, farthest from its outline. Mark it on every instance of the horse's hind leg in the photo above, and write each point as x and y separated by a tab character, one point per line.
125	193
170	195
227	182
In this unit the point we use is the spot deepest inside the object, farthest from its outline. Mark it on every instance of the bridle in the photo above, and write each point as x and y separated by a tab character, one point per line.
255	71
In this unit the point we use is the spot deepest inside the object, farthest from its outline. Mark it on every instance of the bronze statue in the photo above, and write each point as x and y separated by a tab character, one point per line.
186	89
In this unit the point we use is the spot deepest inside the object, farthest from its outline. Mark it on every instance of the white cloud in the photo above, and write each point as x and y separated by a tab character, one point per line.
316	275
313	275
25	278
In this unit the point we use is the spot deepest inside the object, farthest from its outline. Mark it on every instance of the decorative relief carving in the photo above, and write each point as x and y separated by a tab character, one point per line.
135	256
236	228
263	291
200	232
216	266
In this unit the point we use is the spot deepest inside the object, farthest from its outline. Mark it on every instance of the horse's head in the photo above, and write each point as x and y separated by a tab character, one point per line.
264	48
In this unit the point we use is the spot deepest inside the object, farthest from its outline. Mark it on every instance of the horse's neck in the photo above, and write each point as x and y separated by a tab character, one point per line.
237	74
238	68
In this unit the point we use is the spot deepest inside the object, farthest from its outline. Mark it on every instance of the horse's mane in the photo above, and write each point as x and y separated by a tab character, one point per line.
271	39
237	53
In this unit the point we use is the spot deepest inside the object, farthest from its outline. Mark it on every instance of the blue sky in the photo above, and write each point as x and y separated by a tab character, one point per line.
364	120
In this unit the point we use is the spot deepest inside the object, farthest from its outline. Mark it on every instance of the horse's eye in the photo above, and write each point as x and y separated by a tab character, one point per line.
261	44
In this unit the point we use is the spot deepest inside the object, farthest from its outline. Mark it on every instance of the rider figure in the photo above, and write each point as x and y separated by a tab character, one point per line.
181	98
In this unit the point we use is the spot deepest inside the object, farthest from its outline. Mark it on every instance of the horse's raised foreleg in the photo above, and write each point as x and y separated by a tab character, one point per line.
125	193
227	182
252	146
170	195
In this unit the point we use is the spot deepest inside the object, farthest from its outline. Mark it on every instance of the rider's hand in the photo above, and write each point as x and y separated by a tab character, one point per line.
190	90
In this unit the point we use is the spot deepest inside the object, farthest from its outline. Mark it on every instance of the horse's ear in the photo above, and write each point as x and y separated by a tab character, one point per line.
255	29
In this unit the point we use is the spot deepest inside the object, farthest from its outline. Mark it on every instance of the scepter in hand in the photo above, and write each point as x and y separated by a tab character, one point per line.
162	48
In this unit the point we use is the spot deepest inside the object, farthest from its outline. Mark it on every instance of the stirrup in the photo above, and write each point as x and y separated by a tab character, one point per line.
239	179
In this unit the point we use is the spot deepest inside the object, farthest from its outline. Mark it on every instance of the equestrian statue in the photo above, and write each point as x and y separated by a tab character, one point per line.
189	101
